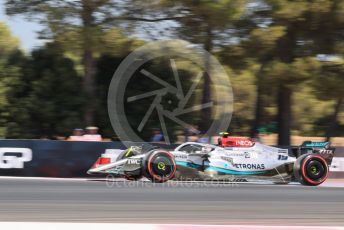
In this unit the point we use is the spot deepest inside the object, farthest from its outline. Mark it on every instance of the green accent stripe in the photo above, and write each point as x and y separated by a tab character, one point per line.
227	171
187	164
316	144
211	168
128	152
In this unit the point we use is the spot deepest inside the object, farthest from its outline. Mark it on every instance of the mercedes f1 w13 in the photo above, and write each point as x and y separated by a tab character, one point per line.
234	159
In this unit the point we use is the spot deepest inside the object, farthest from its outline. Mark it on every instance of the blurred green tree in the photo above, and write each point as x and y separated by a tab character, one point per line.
8	42
311	29
277	41
284	37
209	24
253	53
9	46
45	98
84	28
139	84
328	85
63	18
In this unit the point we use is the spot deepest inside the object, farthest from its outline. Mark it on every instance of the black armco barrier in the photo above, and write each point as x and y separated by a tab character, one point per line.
50	158
44	158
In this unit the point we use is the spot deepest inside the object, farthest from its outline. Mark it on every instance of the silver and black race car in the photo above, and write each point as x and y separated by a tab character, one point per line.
234	159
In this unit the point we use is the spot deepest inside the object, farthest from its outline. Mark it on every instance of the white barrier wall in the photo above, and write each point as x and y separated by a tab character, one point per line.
337	164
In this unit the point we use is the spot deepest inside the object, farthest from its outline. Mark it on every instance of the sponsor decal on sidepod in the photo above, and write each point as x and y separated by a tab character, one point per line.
250	166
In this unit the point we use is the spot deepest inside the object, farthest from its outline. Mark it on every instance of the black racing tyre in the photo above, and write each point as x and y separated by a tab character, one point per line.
297	168
159	166
311	169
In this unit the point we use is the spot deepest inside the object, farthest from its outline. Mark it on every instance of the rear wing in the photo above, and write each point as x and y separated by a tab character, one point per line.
311	144
322	148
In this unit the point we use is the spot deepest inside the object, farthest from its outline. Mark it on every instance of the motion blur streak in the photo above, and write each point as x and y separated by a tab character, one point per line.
92	226
173	203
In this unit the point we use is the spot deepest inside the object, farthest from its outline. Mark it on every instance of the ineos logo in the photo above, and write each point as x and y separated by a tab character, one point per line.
14	161
244	143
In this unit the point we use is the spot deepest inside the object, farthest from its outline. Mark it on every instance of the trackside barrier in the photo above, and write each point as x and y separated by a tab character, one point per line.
49	158
44	158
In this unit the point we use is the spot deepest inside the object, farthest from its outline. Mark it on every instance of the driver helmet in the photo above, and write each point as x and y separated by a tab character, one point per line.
222	135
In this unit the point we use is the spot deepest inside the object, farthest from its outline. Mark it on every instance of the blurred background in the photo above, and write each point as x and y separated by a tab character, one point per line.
284	59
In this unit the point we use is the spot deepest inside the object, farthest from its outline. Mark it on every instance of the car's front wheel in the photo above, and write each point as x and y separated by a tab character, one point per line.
159	166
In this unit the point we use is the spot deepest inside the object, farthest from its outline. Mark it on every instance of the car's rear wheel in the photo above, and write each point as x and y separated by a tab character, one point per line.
160	166
311	170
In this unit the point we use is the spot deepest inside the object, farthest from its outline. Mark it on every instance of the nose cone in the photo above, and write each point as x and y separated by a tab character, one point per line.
92	171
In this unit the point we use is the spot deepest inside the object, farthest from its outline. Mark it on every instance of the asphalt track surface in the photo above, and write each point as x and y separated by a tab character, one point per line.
47	200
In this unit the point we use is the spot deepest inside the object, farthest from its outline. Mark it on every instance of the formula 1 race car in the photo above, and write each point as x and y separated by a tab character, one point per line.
234	159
